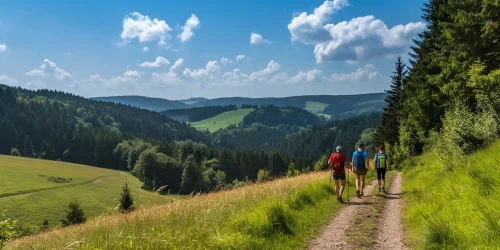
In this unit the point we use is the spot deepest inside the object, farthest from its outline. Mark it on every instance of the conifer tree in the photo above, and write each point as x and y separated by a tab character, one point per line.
126	199
74	215
388	127
29	150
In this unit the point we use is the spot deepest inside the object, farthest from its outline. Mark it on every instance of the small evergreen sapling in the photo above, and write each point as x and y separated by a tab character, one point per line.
74	215
126	199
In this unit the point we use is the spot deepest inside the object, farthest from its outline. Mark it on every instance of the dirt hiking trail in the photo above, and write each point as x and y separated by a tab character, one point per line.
389	232
332	236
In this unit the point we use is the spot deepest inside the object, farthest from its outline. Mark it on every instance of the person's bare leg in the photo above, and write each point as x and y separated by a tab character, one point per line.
337	188
379	184
342	187
362	184
357	182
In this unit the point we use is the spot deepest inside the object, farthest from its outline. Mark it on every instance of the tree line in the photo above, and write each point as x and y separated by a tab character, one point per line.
447	97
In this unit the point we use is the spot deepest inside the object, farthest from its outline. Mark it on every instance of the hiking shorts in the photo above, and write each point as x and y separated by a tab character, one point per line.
381	173
338	176
360	171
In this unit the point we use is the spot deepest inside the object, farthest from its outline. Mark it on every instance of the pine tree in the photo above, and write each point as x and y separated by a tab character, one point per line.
389	123
29	150
74	215
126	200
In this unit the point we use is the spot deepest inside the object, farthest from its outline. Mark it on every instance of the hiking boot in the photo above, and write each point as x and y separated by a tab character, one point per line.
340	200
358	193
383	189
362	194
379	189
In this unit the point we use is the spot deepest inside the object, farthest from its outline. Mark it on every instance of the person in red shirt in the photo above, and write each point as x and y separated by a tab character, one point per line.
338	162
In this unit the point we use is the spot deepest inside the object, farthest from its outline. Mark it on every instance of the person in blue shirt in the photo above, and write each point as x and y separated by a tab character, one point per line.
361	164
383	164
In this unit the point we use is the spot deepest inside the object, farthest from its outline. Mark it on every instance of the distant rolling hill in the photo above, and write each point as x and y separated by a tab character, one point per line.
334	106
155	104
192	101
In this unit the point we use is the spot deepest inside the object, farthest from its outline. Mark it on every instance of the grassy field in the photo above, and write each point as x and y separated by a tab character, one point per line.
317	108
456	209
34	190
282	214
222	120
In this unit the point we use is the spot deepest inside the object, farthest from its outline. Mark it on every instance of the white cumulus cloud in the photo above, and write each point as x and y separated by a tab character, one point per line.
225	60
145	49
138	26
262	74
3	47
309	76
157	63
8	80
257	39
49	68
360	38
368	72
240	57
187	30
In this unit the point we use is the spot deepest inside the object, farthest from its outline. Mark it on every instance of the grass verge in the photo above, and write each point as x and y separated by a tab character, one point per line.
456	209
282	214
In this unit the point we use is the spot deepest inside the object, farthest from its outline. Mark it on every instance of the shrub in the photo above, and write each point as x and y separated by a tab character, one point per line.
7	229
263	175
126	200
15	152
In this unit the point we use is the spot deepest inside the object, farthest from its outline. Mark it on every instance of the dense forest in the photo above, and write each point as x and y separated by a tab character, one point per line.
306	143
271	115
197	114
448	96
161	151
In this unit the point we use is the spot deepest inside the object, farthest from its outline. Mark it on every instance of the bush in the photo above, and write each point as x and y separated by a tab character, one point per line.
126	200
463	132
321	164
15	152
263	175
7	229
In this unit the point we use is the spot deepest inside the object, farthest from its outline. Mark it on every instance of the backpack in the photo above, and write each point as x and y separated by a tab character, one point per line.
381	160
338	166
360	160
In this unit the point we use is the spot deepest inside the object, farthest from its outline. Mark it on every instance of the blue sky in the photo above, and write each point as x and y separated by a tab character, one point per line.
297	47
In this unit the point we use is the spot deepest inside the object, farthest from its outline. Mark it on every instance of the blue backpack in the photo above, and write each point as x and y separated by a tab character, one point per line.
360	160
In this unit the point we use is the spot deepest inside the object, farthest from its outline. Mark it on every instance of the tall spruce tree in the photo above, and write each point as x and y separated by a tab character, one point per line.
126	199
28	150
387	130
74	215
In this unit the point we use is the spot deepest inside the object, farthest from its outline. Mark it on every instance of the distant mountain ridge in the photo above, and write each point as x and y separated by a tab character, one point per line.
155	104
337	106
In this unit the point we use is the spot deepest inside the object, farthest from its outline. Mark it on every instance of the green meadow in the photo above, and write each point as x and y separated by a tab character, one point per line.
222	120
317	108
36	190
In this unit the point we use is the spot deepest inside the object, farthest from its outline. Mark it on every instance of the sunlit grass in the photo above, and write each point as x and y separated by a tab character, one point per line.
282	214
455	210
96	189
222	120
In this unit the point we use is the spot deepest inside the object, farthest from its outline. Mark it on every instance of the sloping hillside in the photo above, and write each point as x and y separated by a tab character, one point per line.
155	104
49	186
453	209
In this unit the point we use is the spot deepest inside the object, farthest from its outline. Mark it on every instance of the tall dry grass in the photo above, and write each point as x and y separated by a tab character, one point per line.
200	222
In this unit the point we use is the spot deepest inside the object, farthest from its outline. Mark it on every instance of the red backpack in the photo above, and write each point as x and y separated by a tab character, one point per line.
338	165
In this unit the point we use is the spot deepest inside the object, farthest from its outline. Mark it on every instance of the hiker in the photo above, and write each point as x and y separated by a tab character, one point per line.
383	164
360	163
338	162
